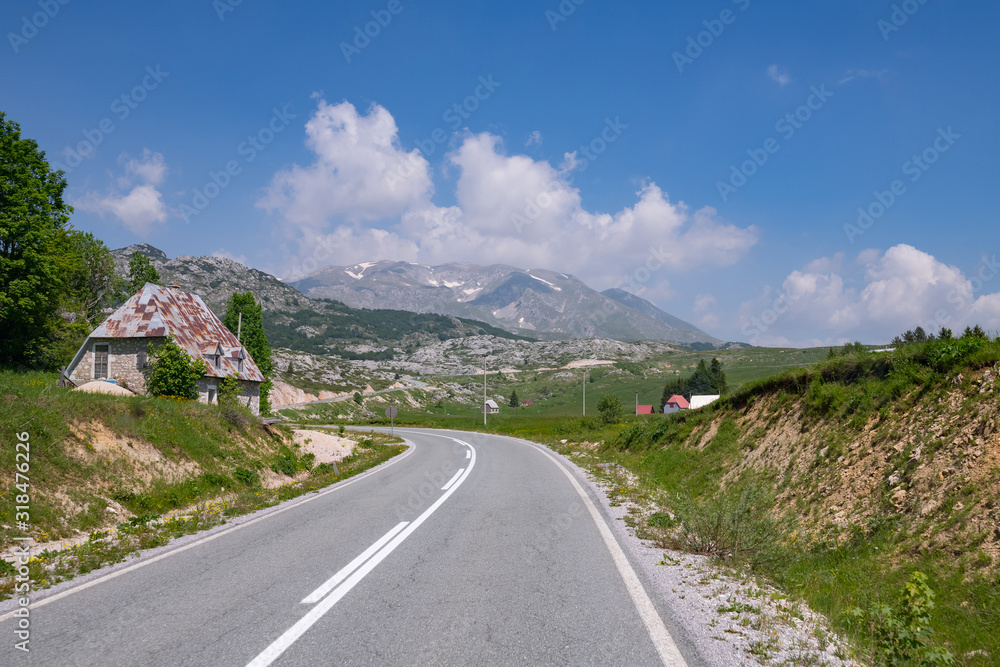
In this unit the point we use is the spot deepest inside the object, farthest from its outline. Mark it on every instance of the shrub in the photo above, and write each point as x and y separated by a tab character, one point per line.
286	462
903	634
737	525
247	477
610	407
229	391
237	415
172	372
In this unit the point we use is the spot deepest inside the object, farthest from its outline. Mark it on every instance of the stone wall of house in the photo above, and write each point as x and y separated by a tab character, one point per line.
124	367
249	392
123	362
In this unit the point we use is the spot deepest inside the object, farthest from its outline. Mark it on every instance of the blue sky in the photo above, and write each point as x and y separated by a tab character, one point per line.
712	158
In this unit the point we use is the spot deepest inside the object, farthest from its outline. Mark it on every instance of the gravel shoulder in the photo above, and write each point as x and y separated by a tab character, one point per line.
727	615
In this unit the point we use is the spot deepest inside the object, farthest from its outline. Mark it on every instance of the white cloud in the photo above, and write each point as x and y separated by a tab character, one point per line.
534	139
704	307
360	172
873	299
508	209
150	168
779	75
142	205
852	74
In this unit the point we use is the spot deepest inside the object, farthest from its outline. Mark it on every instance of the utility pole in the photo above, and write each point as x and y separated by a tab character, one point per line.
584	392
239	328
484	390
636	402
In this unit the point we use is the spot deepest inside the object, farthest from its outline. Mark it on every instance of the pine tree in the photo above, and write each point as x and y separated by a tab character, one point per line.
514	401
719	384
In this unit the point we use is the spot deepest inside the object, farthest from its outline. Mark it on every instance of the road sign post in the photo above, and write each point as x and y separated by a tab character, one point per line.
391	413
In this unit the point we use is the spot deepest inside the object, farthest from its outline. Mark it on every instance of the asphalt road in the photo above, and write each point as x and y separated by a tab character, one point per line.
469	549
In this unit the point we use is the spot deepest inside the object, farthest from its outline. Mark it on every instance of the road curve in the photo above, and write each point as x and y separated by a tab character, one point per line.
473	549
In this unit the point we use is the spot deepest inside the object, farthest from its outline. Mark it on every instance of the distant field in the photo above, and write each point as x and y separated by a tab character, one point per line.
559	393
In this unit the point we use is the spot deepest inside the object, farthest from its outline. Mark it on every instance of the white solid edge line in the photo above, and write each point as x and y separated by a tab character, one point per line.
452	480
346	571
282	643
209	538
664	643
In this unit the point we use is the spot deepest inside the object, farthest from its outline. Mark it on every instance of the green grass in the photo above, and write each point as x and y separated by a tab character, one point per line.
230	451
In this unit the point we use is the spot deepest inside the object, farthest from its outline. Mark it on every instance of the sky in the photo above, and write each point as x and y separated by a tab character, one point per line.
781	173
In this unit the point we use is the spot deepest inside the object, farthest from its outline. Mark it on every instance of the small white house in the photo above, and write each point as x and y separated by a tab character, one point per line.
491	407
702	401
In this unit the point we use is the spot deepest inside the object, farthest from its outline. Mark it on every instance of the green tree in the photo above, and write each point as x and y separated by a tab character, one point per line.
358	398
514	401
34	252
702	381
172	372
252	336
93	284
719	384
610	407
140	272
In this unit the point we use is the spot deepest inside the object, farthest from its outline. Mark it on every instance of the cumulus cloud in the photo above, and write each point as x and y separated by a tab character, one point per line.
365	198
874	299
360	172
779	75
135	199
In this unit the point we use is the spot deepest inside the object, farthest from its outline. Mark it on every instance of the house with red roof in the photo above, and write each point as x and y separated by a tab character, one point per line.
644	410
118	349
675	403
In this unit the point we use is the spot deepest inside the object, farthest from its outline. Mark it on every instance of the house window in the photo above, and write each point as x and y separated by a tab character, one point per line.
218	360
140	360
212	394
101	352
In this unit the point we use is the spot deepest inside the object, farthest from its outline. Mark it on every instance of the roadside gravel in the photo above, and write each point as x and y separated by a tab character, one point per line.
763	626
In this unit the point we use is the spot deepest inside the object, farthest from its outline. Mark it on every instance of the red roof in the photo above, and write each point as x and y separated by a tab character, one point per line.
644	410
679	401
156	312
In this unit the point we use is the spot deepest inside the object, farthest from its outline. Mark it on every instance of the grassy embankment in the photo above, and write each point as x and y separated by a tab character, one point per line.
834	482
136	471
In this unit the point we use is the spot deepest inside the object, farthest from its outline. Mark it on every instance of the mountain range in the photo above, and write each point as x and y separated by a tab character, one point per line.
537	302
377	300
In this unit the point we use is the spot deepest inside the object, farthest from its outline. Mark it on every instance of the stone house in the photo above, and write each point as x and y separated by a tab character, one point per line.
118	349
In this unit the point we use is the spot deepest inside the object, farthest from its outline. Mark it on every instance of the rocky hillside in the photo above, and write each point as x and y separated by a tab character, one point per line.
318	326
216	278
536	302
